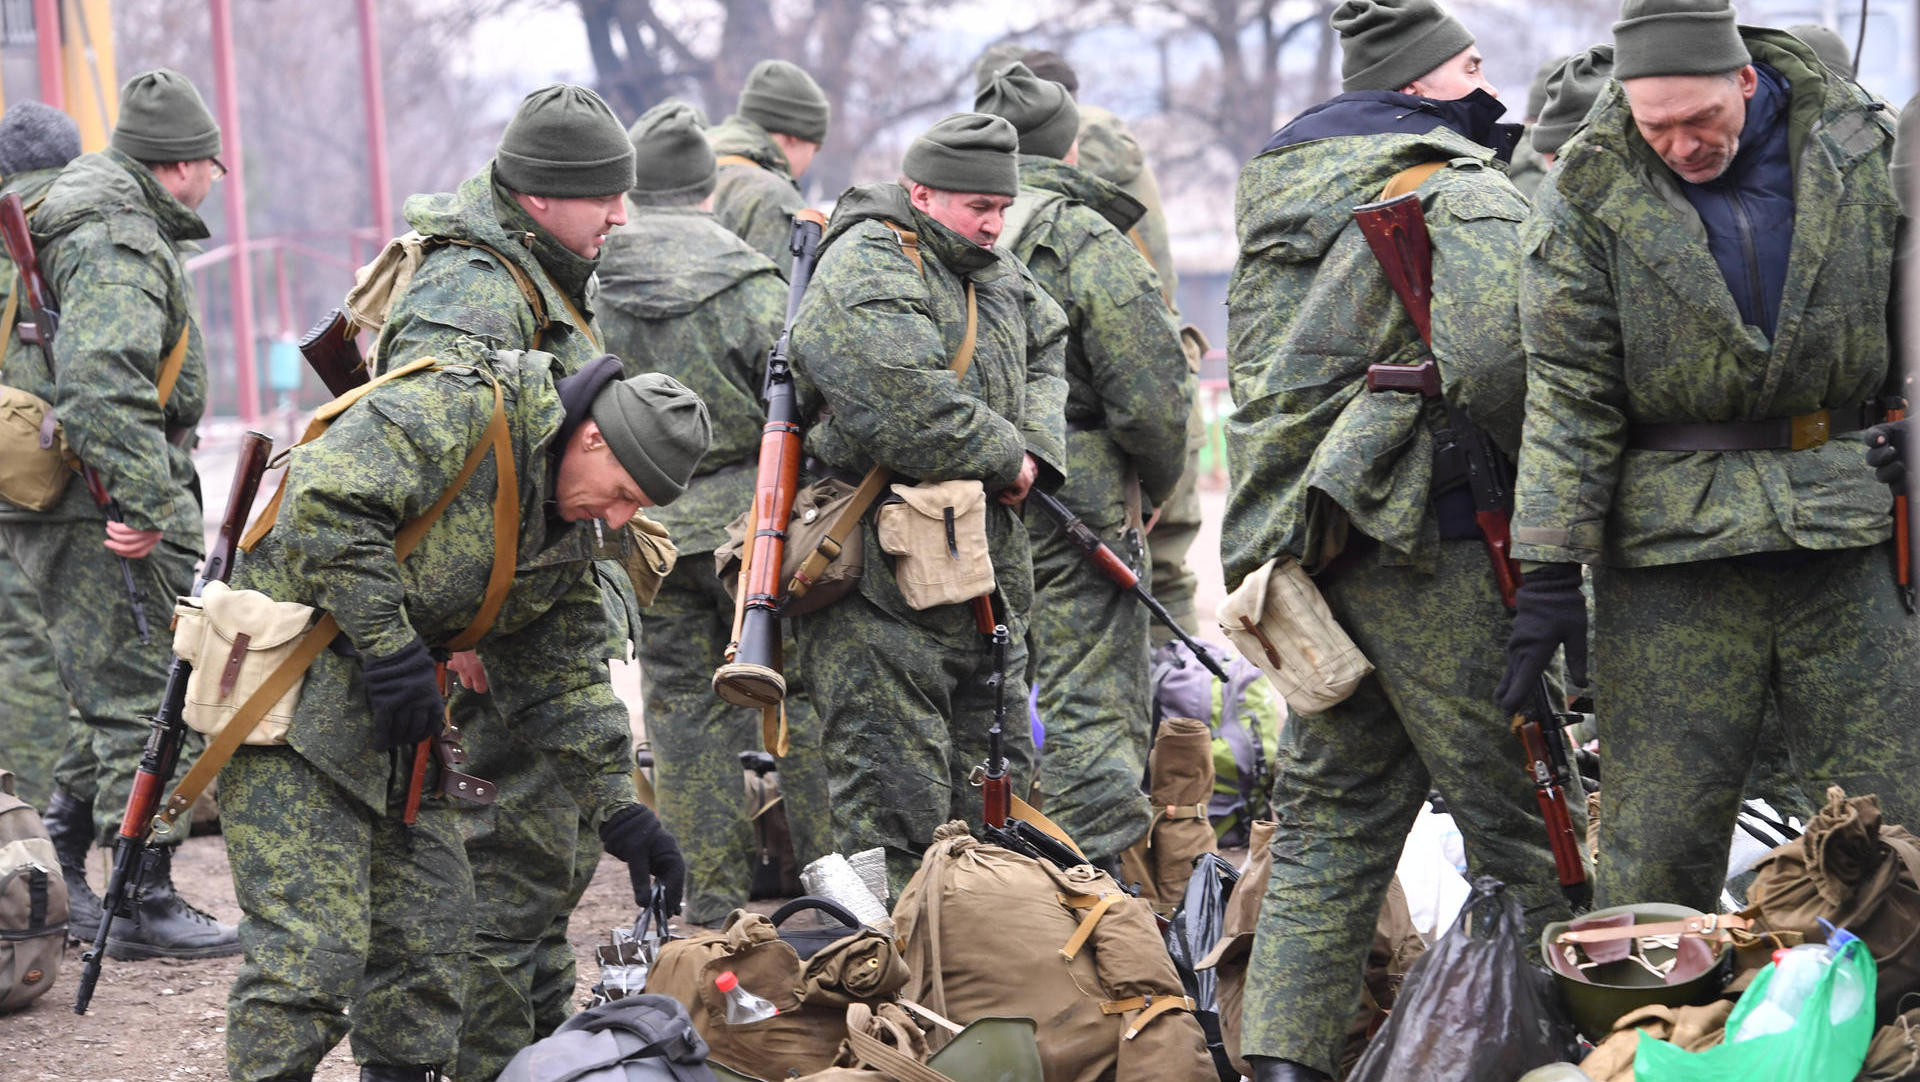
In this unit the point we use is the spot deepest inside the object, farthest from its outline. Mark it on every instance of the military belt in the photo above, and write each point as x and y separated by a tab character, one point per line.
1798	433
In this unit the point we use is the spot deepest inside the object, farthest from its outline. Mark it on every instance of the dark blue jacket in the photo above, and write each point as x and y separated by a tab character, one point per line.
1379	112
1748	210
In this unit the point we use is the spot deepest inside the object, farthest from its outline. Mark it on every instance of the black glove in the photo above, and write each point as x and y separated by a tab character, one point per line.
406	702
1884	446
634	834
1549	611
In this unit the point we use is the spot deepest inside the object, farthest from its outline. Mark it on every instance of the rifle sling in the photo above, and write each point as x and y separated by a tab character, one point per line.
506	526
1410	178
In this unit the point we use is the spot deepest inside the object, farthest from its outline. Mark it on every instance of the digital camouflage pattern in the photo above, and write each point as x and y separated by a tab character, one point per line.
1690	657
680	294
1128	394
1308	308
755	202
897	690
381	464
1528	167
111	242
1349	781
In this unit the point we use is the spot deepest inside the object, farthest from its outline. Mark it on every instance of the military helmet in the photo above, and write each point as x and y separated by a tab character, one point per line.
1602	984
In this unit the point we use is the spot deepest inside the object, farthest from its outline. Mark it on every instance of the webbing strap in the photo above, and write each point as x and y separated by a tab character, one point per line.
171	365
1183	811
734	159
1087	923
9	313
1410	178
774	738
909	244
1151	1007
1027	813
892	1063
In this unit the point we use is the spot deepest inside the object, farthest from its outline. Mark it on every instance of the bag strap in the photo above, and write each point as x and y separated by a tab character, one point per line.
1151	1007
871	1051
532	294
1410	178
170	366
734	159
1096	906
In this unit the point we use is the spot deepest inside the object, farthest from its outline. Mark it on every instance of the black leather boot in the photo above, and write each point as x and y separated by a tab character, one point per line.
69	822
163	925
1268	1069
392	1072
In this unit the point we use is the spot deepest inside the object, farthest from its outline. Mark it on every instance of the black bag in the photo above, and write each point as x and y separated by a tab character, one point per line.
636	1039
807	942
1472	1008
1197	924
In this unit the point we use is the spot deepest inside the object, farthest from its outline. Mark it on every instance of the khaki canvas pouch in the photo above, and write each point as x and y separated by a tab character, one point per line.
1278	620
649	557
31	476
937	532
235	639
815	509
864	967
33	903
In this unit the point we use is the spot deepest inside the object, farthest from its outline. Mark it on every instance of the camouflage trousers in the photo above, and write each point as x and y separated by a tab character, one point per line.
114	680
1350	780
1089	643
906	705
347	910
1690	656
33	702
532	857
697	739
1179	523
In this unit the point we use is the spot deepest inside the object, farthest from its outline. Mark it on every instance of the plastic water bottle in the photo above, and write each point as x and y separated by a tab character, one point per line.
1796	973
743	1006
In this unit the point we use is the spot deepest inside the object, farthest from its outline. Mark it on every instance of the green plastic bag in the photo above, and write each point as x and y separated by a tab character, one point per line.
1815	1049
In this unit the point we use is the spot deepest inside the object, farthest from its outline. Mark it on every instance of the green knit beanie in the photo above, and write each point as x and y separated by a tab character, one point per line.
780	97
162	119
1827	45
1386	44
564	143
967	152
673	165
1677	37
995	60
657	429
1042	112
1571	90
1537	90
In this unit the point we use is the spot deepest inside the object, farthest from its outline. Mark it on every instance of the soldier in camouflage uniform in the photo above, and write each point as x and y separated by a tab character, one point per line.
1529	165
901	693
111	229
1346	482
1128	394
764	149
350	911
1701	356
680	294
36	141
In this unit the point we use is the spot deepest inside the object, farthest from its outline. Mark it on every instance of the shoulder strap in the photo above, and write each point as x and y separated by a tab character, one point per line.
1410	178
734	159
909	244
169	366
532	293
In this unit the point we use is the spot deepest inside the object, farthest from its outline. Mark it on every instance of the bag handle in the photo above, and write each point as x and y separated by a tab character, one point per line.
872	1052
825	905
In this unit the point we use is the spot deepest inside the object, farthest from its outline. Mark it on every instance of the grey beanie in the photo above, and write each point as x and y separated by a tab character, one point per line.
564	143
1386	44
1906	133
780	97
995	60
1537	90
1571	90
1041	111
672	162
1677	37
1827	45
657	429
967	152
162	119
34	135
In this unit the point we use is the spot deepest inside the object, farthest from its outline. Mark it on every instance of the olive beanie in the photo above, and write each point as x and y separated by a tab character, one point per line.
780	97
1676	37
657	429
1386	44
564	143
1571	90
162	119
671	159
995	60
1041	111
1827	45
967	152
1537	90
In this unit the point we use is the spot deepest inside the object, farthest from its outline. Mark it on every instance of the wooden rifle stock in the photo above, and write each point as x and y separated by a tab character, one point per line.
139	831
332	353
751	677
1902	522
1544	741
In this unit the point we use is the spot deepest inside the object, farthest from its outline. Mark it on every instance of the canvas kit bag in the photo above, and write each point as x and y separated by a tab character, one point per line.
33	903
1279	621
817	509
937	534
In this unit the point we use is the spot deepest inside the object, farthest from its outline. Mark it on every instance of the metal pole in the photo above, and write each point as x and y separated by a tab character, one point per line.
46	36
240	274
376	106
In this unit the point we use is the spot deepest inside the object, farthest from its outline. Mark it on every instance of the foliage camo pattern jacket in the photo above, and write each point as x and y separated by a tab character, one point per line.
1628	320
680	294
383	462
1309	309
1109	151
110	243
873	343
756	202
1128	384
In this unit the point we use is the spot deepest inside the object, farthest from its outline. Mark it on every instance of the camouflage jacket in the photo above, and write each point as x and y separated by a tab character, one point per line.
1529	167
1628	320
756	202
1109	151
110	242
872	344
383	462
681	295
1308	309
1128	385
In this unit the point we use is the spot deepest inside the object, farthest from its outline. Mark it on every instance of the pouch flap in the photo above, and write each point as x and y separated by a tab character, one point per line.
933	498
1248	600
266	623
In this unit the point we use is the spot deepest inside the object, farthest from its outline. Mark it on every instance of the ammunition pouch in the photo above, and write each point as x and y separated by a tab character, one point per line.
648	556
1278	620
937	533
817	508
235	640
35	464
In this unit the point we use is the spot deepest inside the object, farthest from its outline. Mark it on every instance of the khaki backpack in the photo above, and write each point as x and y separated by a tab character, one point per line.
33	903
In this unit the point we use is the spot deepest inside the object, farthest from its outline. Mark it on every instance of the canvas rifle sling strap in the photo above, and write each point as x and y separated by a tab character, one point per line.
506	541
734	159
1410	178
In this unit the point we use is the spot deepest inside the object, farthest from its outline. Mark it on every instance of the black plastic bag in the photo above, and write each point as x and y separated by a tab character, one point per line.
1472	1008
1195	927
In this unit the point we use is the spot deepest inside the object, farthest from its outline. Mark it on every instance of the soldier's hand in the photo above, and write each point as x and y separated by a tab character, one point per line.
404	695
1549	612
124	540
634	834
466	665
1885	446
1013	494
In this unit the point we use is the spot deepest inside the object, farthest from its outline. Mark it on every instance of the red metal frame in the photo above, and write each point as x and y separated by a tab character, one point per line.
53	76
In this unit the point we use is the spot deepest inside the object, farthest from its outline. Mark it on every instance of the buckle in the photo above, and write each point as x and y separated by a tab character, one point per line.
1809	430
